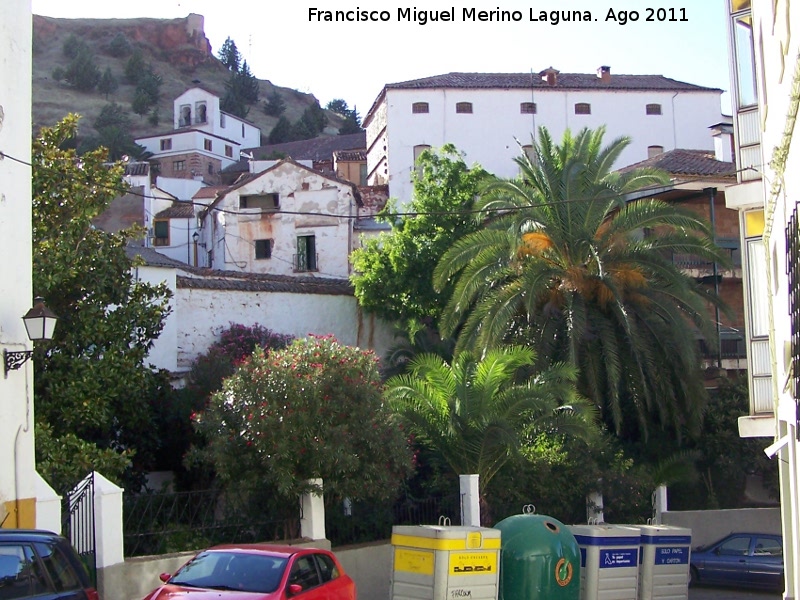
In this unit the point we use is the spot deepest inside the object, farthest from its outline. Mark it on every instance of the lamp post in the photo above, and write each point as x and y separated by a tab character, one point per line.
40	323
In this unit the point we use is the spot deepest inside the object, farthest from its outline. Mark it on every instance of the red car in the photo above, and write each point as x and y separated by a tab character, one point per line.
258	572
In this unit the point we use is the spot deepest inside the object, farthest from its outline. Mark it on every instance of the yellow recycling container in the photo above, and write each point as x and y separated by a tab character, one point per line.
440	562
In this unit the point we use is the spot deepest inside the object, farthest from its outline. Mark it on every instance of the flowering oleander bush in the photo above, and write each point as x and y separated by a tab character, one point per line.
313	409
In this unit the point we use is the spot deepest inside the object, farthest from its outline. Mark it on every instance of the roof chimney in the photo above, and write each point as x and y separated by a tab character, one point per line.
604	74
550	75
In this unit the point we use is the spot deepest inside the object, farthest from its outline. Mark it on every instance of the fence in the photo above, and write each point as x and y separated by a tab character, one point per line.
359	522
162	523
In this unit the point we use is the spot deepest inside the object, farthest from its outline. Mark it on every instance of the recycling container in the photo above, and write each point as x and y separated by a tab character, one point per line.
440	562
609	561
539	559
664	568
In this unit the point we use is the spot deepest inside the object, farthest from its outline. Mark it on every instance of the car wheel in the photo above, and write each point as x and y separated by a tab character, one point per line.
694	577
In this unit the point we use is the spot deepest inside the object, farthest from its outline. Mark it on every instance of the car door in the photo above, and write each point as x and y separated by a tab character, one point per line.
726	563
304	573
765	563
335	586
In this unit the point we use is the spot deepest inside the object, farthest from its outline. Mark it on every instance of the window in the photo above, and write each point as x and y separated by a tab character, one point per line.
304	573
18	570
737	546
583	108
210	168
207	144
242	129
200	109
327	567
222	120
464	108
260	201
228	150
166	144
420	108
186	116
527	108
161	233
306	257
744	58
61	571
178	165
263	249
652	109
654	151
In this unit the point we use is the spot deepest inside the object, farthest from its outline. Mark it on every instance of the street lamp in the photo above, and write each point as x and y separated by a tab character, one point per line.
40	322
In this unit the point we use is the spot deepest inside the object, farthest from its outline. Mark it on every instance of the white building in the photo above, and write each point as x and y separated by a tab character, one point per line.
204	140
489	115
19	483
765	69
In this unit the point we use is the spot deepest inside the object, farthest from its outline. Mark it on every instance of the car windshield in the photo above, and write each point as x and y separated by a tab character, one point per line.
223	570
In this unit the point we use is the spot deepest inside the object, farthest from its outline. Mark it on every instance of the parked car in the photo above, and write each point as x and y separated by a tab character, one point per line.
263	571
740	559
41	564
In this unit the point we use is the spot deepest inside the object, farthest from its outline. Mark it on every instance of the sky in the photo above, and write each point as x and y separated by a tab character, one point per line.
283	43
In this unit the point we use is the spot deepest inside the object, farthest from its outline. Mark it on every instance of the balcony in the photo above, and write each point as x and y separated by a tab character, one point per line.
305	263
700	267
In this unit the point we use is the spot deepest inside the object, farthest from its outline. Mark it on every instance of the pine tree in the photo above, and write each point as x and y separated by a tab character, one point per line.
134	67
82	73
108	83
274	105
282	132
229	55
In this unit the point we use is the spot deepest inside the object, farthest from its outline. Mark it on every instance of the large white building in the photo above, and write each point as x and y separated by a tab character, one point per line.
765	70
488	116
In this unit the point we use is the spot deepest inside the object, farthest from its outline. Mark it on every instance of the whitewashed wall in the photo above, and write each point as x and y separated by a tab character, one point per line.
488	135
232	129
163	354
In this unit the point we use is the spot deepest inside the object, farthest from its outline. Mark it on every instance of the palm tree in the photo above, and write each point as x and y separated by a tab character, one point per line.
565	265
476	414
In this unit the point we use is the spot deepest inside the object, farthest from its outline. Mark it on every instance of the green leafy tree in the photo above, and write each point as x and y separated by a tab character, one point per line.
393	272
82	72
229	55
561	265
108	83
274	105
282	132
313	409
477	414
92	386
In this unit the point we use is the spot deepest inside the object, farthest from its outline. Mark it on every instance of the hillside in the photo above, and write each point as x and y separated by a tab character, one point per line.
178	51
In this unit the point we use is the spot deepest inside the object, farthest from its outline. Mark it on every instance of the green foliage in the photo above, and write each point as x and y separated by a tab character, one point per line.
241	90
274	105
311	410
229	55
234	105
58	73
135	67
73	46
141	102
282	132
477	414
82	72
154	119
560	264
314	119
120	46
352	123
393	271
108	83
91	381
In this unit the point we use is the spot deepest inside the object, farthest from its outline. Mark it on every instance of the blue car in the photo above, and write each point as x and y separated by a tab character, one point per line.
740	560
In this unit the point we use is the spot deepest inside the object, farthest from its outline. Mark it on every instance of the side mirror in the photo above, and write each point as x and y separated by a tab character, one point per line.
165	577
295	588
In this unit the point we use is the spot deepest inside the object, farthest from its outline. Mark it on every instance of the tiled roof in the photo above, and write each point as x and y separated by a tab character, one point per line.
152	258
316	149
582	81
694	163
208	192
178	210
256	282
350	155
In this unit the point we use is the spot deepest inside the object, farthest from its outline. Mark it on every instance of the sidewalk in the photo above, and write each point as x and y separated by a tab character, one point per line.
711	593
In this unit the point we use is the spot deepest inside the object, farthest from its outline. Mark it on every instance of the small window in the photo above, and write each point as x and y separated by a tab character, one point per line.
200	110
178	165
327	567
464	108
242	129
222	120
263	249
653	109
420	108
654	151
207	144
260	201
228	150
583	108
166	144
210	168
527	108
161	233
58	566
306	258
304	573
186	116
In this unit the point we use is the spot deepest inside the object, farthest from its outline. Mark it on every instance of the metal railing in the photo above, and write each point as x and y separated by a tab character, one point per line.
172	522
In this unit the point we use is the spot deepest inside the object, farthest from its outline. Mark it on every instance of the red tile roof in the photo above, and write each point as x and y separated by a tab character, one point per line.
694	163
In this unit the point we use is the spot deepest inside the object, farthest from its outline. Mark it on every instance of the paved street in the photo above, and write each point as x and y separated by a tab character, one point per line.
710	593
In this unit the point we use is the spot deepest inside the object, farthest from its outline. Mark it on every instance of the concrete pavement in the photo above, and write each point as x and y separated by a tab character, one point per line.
719	593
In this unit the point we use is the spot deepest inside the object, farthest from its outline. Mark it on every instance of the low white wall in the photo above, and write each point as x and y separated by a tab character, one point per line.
370	566
710	525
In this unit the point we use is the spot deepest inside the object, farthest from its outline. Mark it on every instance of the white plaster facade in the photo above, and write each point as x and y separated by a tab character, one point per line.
492	133
18	478
765	69
308	228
